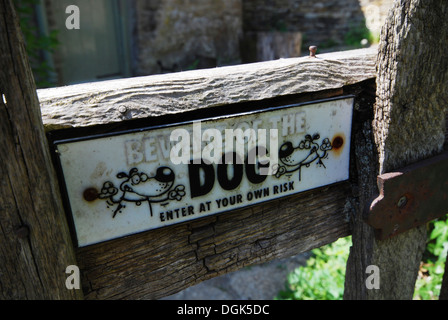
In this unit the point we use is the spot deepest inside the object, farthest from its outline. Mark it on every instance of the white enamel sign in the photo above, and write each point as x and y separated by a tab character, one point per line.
144	179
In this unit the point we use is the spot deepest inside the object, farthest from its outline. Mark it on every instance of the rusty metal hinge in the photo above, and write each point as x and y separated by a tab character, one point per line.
410	197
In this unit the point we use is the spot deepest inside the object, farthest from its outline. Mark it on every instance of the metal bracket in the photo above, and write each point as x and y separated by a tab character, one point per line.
410	197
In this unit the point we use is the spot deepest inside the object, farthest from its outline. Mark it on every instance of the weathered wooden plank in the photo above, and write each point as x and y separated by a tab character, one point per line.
135	98
35	242
444	289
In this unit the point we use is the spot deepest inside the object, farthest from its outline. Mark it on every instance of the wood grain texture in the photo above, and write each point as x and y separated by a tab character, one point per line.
35	242
409	125
135	98
444	289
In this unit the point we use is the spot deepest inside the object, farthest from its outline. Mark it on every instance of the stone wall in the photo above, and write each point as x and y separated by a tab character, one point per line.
175	35
375	12
323	23
160	36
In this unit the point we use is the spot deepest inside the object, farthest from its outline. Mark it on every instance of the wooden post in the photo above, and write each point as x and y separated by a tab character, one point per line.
444	290
409	125
35	245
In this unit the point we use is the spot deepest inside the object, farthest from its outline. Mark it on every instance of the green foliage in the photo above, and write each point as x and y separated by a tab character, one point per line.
429	281
280	25
330	43
194	65
356	33
323	276
36	43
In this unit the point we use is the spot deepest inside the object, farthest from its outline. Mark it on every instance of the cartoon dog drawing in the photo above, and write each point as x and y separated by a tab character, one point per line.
308	151
139	187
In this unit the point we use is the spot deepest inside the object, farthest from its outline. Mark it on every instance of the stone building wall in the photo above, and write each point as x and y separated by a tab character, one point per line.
178	35
175	35
375	12
323	23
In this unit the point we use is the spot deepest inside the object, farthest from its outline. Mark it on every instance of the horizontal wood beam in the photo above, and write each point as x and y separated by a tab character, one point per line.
142	97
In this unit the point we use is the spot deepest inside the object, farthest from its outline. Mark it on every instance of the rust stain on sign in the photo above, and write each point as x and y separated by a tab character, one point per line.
337	143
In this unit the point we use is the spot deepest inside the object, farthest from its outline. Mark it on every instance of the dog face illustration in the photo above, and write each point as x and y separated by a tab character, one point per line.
139	186
305	153
308	151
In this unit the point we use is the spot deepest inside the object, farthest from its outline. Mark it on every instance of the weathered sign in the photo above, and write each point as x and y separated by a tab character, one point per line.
128	182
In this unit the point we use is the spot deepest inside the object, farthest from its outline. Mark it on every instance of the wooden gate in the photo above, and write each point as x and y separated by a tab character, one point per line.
36	240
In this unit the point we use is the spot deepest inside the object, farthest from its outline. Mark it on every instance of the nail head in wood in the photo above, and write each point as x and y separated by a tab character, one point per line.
313	50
